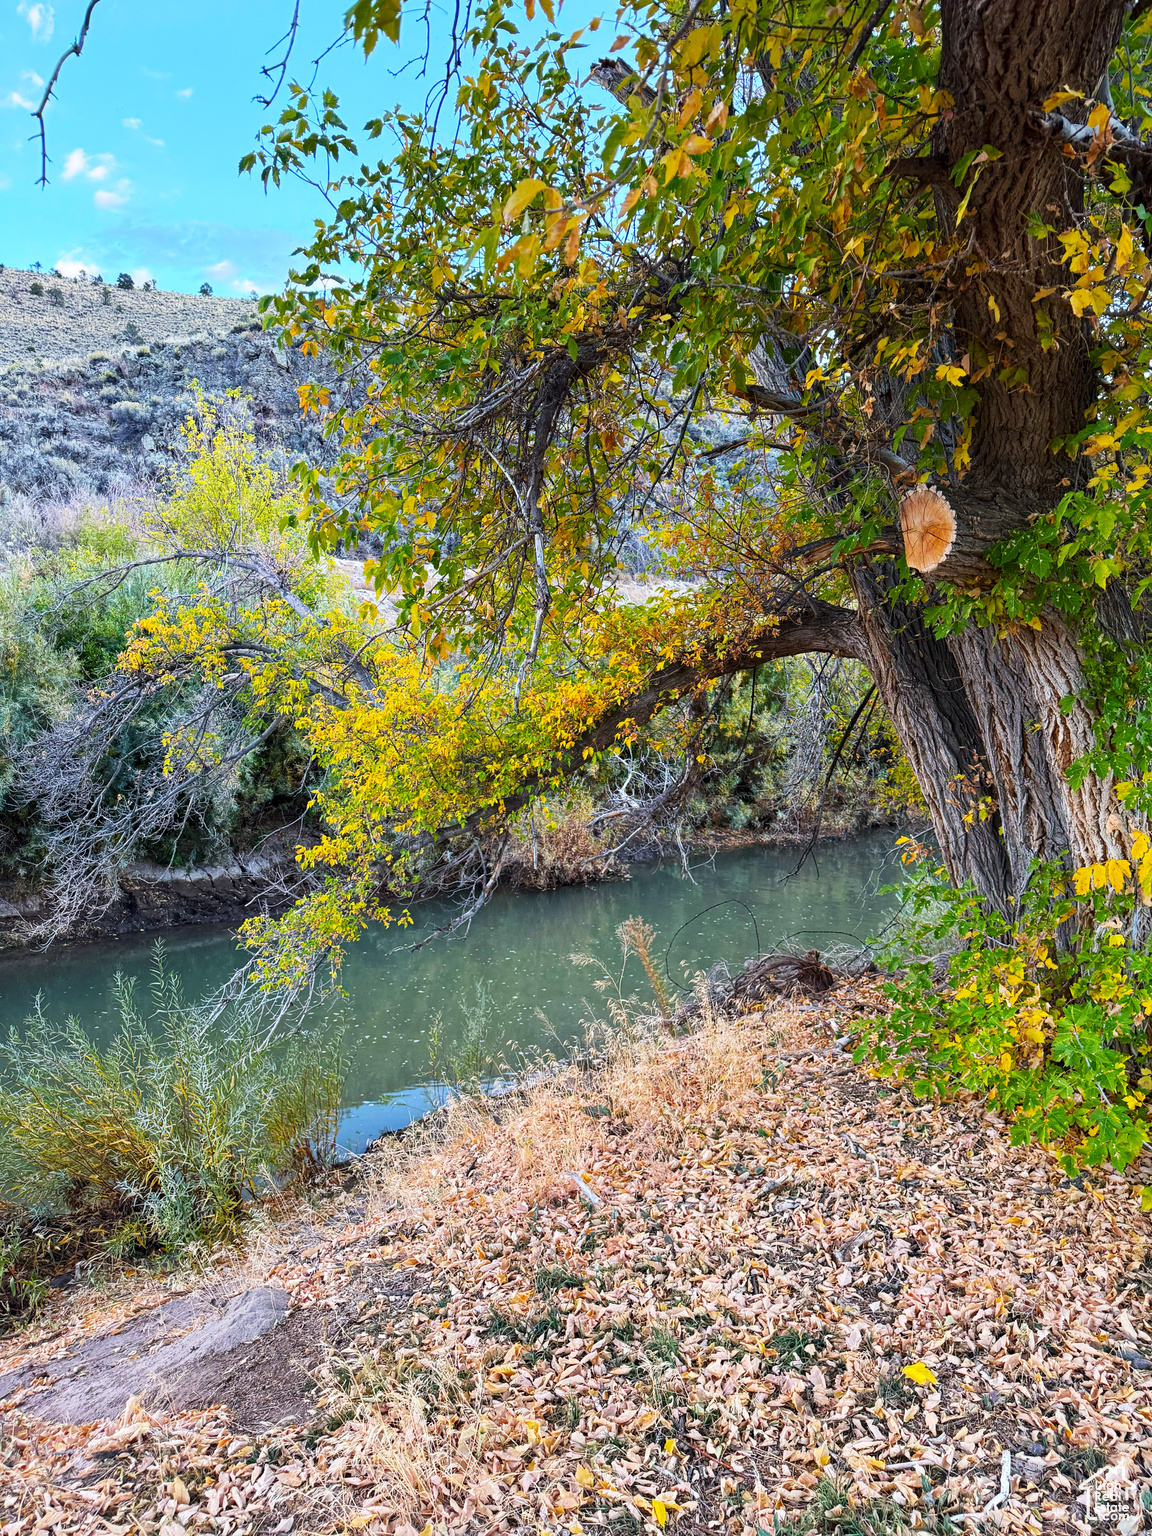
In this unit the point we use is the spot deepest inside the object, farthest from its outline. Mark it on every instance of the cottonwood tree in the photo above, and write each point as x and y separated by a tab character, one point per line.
895	255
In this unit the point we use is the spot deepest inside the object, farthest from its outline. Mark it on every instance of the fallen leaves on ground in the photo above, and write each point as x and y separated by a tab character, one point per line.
801	1297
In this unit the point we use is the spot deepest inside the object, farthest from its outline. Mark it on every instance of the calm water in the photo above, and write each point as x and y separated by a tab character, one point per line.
519	950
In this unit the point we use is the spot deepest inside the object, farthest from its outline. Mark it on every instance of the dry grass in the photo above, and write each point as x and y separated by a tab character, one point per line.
719	1344
87	316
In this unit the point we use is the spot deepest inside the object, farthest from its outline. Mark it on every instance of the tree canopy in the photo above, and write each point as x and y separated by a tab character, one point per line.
841	310
885	249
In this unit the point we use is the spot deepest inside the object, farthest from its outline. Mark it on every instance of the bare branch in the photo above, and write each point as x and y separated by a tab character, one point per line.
280	68
39	111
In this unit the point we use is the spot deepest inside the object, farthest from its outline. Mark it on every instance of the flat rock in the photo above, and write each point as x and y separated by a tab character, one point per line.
192	1371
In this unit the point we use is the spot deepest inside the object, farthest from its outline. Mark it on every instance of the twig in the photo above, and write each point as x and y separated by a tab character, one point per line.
38	114
281	64
866	36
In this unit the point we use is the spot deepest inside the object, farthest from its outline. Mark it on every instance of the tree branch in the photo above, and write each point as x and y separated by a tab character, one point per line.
280	68
38	114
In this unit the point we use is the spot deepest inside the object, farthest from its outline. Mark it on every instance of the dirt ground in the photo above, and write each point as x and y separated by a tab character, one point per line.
777	1294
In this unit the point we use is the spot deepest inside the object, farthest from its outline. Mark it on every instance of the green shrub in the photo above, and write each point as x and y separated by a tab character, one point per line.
173	1129
1045	1013
21	1287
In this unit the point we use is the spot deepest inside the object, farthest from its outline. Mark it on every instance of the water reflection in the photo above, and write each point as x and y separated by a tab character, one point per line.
520	948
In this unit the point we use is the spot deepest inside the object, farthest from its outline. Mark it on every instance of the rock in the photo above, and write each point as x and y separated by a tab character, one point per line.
96	1381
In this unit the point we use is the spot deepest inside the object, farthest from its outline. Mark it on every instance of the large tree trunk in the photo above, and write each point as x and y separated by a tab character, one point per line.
922	690
983	718
1031	796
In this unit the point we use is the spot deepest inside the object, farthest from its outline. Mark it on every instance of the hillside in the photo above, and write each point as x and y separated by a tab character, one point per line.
95	385
73	317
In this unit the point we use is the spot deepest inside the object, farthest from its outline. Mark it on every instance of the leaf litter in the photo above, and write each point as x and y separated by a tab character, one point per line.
722	1282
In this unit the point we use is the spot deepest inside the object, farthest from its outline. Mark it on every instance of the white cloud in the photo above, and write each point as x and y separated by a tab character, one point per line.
222	271
40	18
185	93
5	181
117	199
17	99
94	167
135	124
67	266
141	275
246	286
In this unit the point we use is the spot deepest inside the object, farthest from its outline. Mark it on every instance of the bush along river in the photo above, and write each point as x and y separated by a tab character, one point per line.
515	967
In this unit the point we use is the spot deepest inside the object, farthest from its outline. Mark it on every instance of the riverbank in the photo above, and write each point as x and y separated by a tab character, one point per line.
153	898
778	1291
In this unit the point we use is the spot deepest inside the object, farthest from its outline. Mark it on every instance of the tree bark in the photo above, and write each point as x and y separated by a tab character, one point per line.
924	695
1030	795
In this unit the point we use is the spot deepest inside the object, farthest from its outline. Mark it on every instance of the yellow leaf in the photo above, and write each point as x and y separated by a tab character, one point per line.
632	198
523	195
670	1447
1059	97
660	1512
1082	881
585	1478
1117	871
180	1492
1098	117
1124	249
1005	1061
1140	845
696	145
950	374
1089	298
921	1374
690	108
993	308
717	118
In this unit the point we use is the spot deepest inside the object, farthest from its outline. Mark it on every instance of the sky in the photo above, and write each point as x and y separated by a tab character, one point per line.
147	129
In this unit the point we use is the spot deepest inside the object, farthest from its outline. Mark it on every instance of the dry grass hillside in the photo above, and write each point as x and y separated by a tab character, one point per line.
95	382
72	317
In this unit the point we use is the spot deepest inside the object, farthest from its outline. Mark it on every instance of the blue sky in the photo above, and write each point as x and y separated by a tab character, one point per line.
146	132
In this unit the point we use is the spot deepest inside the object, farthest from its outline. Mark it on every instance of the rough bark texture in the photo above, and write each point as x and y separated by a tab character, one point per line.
1050	660
1029	796
924	695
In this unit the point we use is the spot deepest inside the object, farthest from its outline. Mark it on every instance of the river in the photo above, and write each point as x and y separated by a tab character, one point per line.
518	952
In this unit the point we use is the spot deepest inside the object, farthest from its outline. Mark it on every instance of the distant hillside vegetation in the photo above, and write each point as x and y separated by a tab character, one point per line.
71	317
95	382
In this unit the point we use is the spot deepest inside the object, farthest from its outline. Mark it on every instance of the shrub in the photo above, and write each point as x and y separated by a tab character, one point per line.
125	281
36	289
1045	1012
205	290
171	1131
